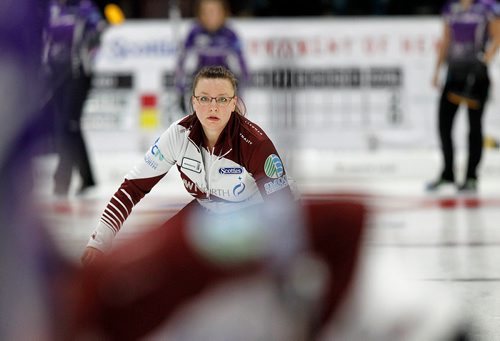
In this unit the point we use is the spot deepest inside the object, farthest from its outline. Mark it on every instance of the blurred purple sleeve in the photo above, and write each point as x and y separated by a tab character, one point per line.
29	264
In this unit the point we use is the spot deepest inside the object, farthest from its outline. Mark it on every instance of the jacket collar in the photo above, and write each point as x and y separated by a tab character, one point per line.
224	143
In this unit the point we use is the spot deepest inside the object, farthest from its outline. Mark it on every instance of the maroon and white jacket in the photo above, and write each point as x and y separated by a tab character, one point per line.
243	169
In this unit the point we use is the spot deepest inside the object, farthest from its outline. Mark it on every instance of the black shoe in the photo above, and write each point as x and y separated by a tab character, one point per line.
470	185
438	184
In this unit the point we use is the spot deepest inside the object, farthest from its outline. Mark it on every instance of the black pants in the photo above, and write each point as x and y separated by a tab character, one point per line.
459	82
69	98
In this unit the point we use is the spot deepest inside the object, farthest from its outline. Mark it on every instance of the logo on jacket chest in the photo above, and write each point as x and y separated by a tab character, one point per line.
230	170
230	192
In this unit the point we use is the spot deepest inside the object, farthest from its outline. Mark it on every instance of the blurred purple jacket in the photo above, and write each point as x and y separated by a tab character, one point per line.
469	29
222	47
72	32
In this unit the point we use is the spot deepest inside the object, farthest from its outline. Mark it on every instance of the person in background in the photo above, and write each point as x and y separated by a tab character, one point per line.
210	41
470	41
71	40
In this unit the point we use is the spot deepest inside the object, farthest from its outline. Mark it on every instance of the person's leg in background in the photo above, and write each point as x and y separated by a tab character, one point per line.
64	169
475	139
446	116
81	156
72	149
475	148
447	113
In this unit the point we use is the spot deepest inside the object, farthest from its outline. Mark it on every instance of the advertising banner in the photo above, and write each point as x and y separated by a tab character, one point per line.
320	83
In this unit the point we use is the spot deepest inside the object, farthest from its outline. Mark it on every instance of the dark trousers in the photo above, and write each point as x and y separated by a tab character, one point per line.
456	83
69	99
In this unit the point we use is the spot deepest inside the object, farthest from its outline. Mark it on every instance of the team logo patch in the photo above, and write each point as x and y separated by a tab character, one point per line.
273	167
230	170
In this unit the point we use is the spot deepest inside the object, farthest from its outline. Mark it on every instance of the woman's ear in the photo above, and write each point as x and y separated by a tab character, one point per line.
235	101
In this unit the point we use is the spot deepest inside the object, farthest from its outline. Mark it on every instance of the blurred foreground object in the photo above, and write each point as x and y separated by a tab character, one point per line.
141	285
32	273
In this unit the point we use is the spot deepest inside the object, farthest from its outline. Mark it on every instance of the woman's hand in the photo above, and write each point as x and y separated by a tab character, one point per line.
90	255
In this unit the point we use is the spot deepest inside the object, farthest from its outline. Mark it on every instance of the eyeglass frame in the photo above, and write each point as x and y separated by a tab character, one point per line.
229	98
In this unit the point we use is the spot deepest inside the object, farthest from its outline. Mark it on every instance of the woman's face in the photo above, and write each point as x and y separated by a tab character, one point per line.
212	15
213	101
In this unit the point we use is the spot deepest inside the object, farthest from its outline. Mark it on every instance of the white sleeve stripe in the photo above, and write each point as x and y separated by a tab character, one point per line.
116	208
109	224
112	215
121	203
128	196
114	220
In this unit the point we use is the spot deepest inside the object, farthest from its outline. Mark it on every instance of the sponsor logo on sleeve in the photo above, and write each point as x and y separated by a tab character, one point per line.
276	185
157	153
150	162
155	156
273	167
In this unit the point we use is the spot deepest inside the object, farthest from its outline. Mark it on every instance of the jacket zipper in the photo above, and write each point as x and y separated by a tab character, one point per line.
210	170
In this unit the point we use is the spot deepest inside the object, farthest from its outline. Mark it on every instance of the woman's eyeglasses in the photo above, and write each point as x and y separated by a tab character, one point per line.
220	100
